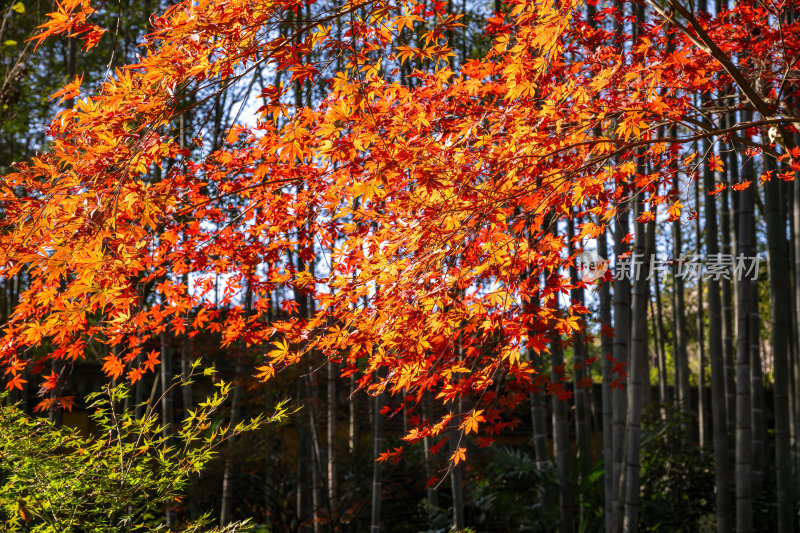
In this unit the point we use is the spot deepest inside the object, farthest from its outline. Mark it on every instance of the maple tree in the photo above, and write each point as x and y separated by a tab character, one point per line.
483	155
411	229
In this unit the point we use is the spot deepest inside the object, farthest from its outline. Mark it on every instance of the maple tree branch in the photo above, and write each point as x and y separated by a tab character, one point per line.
628	145
705	43
728	132
785	77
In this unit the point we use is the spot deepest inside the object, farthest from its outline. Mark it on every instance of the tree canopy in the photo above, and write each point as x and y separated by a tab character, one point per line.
405	219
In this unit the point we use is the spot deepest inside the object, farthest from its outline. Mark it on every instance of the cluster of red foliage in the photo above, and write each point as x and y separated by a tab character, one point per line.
410	227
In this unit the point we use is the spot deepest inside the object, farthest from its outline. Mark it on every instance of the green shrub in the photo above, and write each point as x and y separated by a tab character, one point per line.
121	477
677	481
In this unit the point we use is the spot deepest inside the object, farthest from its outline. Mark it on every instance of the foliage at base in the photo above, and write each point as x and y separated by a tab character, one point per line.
119	478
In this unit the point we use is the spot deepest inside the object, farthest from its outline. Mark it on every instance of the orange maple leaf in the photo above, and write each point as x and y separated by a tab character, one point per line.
674	211
645	217
70	90
135	375
470	423
50	382
717	189
152	361
16	382
113	367
459	455
715	163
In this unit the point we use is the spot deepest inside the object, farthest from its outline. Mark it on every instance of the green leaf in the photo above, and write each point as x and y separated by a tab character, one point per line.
19	7
594	476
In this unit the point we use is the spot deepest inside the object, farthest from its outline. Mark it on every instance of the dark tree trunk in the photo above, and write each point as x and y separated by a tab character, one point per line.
719	404
701	348
582	423
331	405
377	447
237	398
780	314
744	436
561	447
729	235
679	323
622	317
606	349
638	355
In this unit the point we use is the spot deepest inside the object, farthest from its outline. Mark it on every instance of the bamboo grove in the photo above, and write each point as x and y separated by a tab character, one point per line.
397	199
